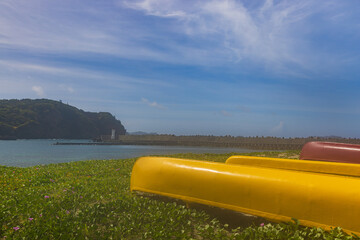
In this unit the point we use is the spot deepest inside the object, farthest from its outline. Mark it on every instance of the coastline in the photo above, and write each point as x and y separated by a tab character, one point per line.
252	146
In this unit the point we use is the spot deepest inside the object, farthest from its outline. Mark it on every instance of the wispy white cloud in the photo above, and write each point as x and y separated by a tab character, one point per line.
39	91
152	104
18	78
272	33
72	28
23	66
66	88
70	89
159	8
107	78
278	128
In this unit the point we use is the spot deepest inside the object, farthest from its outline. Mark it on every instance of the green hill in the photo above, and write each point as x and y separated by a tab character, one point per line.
43	118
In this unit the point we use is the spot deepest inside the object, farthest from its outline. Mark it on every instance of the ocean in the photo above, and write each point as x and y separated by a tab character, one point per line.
25	153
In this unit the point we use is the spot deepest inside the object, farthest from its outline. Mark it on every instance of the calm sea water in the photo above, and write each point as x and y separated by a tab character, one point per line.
24	153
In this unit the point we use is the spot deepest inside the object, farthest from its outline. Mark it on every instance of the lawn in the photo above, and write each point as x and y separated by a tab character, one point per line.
91	200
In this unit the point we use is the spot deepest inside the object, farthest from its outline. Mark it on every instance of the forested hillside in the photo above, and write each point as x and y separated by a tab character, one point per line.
43	118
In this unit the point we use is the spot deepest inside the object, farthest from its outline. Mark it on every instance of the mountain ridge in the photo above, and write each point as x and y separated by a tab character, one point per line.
45	118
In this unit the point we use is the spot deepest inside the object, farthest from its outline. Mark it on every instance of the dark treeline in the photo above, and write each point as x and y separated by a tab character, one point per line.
44	118
261	143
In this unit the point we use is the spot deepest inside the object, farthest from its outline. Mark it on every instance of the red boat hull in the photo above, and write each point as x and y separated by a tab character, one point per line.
331	152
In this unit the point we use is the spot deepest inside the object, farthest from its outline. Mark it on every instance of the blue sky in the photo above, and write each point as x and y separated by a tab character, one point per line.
219	67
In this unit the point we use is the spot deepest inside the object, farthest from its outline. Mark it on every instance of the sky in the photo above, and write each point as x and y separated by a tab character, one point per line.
189	67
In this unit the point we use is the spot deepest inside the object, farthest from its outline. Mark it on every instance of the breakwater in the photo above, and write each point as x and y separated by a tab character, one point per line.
256	143
89	143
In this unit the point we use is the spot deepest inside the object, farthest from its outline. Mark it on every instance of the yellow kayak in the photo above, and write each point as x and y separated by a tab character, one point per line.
320	200
346	169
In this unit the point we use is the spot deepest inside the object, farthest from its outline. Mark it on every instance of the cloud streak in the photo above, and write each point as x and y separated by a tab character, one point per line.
41	26
272	34
278	128
159	8
152	104
39	91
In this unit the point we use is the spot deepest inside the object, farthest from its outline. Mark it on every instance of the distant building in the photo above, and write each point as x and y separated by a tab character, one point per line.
113	134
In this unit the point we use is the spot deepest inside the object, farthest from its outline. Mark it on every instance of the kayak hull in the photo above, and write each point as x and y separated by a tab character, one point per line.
316	200
331	152
345	169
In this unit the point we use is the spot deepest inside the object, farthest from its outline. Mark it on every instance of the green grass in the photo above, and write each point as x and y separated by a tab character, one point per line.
91	200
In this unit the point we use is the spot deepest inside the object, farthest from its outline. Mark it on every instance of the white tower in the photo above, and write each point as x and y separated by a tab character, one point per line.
112	134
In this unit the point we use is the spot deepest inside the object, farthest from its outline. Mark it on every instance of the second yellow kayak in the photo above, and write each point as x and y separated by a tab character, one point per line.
346	169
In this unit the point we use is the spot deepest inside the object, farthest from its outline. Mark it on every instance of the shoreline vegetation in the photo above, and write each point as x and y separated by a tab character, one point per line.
92	200
255	143
47	119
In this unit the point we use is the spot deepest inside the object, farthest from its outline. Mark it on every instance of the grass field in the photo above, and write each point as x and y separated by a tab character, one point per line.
91	200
